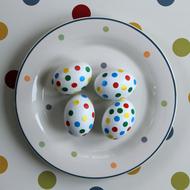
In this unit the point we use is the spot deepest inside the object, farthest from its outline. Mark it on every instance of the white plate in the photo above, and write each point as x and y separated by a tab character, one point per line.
95	41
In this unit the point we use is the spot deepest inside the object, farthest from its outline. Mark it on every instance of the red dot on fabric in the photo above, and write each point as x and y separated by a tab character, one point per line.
125	105
115	85
93	114
58	83
129	129
77	67
10	78
80	11
127	77
74	85
86	106
67	123
114	129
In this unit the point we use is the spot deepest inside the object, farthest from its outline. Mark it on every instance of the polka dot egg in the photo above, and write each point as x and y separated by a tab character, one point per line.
79	115
114	85
118	119
69	80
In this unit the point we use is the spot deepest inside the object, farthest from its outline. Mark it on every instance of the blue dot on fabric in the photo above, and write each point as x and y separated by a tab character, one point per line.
117	104
122	133
56	75
132	120
105	95
77	124
82	78
106	130
135	82
84	96
90	126
114	75
31	2
116	118
96	188
165	2
104	83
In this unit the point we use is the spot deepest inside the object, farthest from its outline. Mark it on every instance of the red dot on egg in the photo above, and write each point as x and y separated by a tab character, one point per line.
77	67
58	83
67	123
86	106
126	105
115	85
74	85
127	77
114	129
80	11
93	114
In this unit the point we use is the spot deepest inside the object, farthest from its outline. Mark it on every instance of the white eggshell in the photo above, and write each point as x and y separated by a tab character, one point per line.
113	85
79	115
118	119
69	80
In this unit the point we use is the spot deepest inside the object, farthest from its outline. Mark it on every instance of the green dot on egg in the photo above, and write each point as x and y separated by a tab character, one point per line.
125	124
120	110
67	77
111	111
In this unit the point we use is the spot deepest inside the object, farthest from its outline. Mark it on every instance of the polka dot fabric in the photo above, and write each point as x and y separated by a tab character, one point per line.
118	119
113	85
69	80
79	115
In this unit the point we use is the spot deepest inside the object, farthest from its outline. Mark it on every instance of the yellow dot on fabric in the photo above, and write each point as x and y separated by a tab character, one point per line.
180	181
47	180
120	70
136	25
108	120
27	78
3	164
84	118
65	70
146	54
105	28
126	115
123	87
181	47
114	165
3	31
135	171
99	89
75	102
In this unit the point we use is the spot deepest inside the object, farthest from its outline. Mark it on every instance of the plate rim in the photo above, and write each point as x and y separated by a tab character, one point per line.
107	19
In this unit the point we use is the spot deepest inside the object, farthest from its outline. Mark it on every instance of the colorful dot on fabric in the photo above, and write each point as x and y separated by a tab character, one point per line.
74	154
122	133
90	126
74	84
124	87
80	11
132	120
126	115
114	75
77	68
82	131
71	113
61	37
96	188
117	104
93	115
3	31
116	118
171	133
111	111
84	118
67	77
125	124
105	75
48	107
41	144
65	89
47	180
114	165
77	124
120	70
82	78
164	103
86	106
10	78
115	84
65	70
126	105
135	82
130	89
181	47
108	120
3	164
106	130
103	65
87	69
135	171
119	110
114	129
118	95
27	78
180	181
165	3
84	96
104	83
127	77
105	28
133	111
105	95
146	54
136	25
144	139
31	2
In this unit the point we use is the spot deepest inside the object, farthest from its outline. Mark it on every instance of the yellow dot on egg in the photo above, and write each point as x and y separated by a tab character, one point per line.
99	89
110	136
126	115
75	102
108	120
65	70
123	87
122	99
84	118
120	70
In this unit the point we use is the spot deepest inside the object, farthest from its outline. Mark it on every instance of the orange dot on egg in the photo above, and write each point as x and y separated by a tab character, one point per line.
114	165
146	54
27	78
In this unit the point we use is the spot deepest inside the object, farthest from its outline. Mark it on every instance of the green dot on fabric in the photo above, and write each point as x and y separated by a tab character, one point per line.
125	124
67	77
119	110
130	89
118	95
41	144
61	37
164	103
82	131
74	154
111	111
180	181
88	69
105	28
70	112
133	111
181	47
47	180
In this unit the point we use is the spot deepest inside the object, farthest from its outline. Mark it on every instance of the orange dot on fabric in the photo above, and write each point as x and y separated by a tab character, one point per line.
81	11
3	164
146	54
3	31
135	171
27	78
114	165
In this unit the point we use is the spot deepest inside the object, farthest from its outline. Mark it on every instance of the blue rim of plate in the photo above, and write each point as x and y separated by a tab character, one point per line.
128	25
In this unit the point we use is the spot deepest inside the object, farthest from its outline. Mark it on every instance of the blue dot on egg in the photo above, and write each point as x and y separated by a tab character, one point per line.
117	104
77	124
106	130
105	95
104	83
90	126
84	96
114	75
132	120
135	82
122	133
56	75
82	78
116	118
165	2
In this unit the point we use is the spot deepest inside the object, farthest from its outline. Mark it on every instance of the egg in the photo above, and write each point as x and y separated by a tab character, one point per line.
69	80
118	119
79	115
113	85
